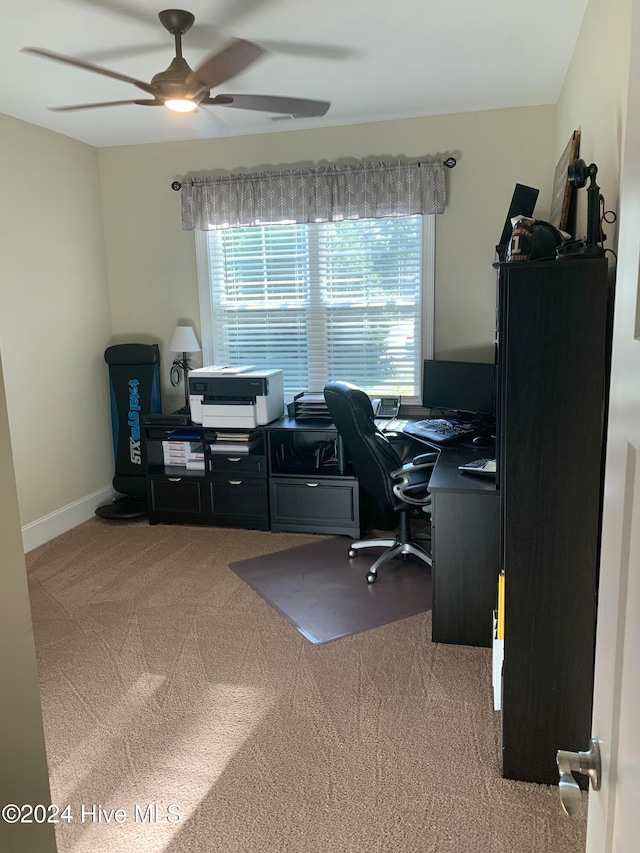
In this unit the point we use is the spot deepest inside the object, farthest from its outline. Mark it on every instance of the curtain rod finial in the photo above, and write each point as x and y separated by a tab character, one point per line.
450	162
176	185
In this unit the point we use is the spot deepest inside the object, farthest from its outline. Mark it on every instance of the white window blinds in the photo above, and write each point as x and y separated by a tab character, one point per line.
330	300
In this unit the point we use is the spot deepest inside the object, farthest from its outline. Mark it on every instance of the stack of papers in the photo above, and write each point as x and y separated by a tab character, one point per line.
184	454
235	441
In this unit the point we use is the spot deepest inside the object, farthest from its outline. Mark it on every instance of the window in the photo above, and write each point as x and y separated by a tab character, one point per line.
345	300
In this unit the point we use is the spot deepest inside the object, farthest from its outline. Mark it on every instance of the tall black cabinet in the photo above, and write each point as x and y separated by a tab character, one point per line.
553	352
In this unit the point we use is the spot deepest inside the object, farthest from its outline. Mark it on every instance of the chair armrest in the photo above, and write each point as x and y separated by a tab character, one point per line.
416	493
425	457
412	484
409	467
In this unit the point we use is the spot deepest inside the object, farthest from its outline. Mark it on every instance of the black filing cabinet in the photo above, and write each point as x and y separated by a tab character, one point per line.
296	477
312	486
228	489
177	498
315	505
175	493
237	486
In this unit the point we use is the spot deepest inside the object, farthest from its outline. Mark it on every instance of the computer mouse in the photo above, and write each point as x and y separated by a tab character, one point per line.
482	441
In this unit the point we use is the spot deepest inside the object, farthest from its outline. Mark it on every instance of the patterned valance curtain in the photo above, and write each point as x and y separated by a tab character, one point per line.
323	194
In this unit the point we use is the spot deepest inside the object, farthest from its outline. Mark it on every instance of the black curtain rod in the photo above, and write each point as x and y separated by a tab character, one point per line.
450	162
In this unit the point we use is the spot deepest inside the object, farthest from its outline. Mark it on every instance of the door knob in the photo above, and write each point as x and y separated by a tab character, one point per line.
577	762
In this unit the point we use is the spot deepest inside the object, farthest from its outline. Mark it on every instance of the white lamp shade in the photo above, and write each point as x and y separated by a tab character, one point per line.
184	340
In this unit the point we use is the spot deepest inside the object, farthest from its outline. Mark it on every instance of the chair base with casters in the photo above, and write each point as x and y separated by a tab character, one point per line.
380	471
402	545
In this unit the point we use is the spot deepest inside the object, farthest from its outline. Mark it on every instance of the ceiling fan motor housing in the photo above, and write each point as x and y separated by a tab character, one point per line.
181	89
172	82
176	20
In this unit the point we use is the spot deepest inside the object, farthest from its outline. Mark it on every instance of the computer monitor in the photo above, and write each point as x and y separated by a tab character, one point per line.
465	387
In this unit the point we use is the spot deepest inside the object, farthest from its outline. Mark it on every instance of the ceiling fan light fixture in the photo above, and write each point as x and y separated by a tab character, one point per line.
182	89
181	105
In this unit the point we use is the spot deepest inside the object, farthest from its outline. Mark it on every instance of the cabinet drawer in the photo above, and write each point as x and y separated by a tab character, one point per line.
240	501
178	499
235	463
320	505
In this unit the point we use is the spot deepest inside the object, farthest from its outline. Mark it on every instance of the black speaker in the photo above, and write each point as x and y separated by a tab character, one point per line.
523	202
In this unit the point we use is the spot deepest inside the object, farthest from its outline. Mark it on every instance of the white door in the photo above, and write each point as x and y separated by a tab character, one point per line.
614	811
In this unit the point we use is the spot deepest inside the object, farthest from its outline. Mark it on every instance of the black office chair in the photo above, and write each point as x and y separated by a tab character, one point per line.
380	471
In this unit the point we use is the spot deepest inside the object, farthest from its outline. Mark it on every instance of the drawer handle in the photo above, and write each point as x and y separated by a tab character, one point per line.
313	485
233	458
174	479
234	482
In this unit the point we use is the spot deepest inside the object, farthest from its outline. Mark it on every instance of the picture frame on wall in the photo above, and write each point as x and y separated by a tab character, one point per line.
562	189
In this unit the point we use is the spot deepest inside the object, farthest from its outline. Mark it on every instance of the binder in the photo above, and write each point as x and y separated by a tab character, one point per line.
500	625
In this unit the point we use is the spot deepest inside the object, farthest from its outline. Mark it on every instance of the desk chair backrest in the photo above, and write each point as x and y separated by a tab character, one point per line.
373	456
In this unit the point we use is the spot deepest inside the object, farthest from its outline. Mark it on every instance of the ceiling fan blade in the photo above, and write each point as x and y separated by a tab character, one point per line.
105	104
271	104
78	63
123	9
132	50
308	49
235	10
229	62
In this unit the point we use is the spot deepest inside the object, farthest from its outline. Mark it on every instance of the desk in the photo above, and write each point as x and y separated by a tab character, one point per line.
280	485
465	549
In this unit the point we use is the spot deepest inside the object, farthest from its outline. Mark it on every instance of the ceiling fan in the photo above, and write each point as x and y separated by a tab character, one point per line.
181	89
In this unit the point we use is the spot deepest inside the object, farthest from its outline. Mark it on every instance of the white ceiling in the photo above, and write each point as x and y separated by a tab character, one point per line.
373	59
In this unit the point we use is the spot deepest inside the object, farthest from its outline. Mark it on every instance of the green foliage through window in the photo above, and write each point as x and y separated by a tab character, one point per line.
331	300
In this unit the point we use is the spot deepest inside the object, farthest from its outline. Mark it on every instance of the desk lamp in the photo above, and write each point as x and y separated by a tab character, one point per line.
184	340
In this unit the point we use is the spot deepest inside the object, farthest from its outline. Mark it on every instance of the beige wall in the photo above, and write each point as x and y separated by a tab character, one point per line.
594	101
54	310
23	778
152	264
54	317
55	306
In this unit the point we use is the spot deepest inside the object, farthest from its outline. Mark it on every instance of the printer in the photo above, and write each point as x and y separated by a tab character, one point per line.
226	397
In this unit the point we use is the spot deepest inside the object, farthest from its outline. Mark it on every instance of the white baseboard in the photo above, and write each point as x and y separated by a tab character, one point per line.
49	526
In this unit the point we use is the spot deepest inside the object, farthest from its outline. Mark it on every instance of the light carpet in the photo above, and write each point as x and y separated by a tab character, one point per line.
166	680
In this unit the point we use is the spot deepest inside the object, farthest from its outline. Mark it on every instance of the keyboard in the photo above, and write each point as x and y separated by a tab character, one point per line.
485	467
437	430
